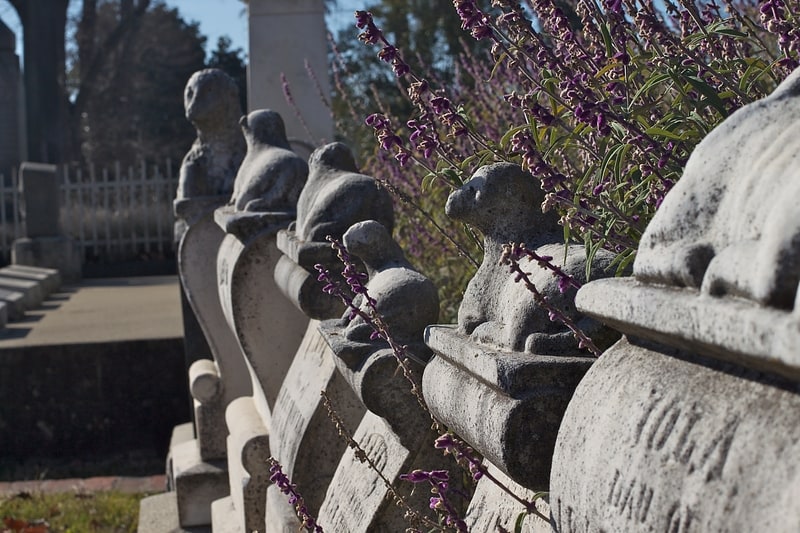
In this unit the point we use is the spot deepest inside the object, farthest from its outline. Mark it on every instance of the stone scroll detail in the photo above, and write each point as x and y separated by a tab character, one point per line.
731	225
502	201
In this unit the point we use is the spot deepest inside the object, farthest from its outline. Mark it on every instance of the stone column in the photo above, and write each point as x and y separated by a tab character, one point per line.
284	34
689	423
10	78
43	244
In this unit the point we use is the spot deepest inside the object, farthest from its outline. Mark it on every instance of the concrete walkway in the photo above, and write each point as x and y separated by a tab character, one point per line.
98	311
102	310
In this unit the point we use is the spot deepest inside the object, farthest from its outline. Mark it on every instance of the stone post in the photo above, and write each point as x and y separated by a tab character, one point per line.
10	79
395	433
267	327
689	423
514	369
303	440
43	244
284	34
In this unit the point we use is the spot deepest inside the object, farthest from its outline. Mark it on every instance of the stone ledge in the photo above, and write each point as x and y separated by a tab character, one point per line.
728	329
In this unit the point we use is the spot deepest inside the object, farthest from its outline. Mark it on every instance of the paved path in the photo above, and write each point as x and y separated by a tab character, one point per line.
102	310
98	311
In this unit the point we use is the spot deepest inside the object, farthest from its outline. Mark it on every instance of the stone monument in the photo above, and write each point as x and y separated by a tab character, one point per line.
304	441
396	433
275	49
267	326
516	369
197	459
689	423
44	245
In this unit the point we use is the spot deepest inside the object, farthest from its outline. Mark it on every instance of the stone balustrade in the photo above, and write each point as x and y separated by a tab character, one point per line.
686	422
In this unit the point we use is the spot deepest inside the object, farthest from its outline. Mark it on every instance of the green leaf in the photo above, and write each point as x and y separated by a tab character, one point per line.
519	521
665	133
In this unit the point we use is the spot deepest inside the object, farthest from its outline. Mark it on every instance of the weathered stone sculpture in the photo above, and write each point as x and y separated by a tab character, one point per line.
406	300
664	431
501	201
516	368
337	196
211	100
395	433
742	239
271	175
267	326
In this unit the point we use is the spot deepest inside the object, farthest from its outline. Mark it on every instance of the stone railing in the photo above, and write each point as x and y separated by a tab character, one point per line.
688	422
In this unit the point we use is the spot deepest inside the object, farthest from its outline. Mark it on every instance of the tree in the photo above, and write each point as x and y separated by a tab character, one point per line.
134	107
44	23
234	63
430	36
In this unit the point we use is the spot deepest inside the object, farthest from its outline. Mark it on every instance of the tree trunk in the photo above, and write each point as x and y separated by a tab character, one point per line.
44	23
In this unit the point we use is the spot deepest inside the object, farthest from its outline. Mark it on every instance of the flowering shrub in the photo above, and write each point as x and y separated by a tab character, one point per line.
602	101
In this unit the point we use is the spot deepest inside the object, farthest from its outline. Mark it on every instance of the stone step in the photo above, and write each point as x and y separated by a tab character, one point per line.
14	302
50	278
31	290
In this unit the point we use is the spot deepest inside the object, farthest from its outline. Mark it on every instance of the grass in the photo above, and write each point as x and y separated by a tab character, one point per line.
70	512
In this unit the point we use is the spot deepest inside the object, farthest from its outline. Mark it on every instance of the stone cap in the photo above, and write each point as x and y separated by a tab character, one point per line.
246	225
729	329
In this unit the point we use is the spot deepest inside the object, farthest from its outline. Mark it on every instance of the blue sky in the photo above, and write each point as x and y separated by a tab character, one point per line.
216	17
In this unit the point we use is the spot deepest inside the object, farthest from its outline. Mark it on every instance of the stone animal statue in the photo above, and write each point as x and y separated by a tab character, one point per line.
407	300
337	196
731	225
211	100
502	201
271	175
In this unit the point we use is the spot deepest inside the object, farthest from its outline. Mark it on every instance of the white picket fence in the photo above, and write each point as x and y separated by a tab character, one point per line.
116	214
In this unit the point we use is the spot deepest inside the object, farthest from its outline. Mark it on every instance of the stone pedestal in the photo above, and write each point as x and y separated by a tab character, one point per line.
268	329
198	470
687	424
395	434
511	405
508	408
59	252
297	279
